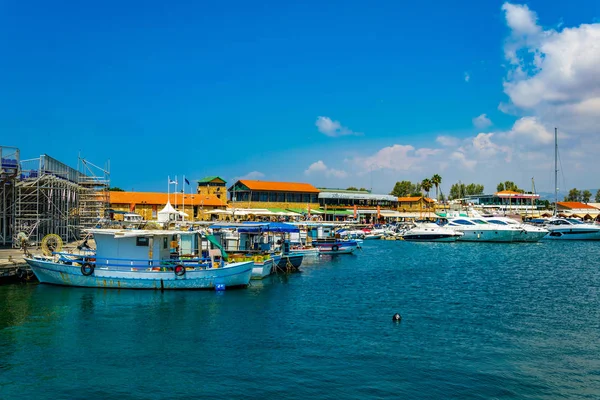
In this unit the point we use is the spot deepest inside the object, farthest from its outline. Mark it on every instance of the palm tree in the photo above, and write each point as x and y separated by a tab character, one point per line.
436	180
426	185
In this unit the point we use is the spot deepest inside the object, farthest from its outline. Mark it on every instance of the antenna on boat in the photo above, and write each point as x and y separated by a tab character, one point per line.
555	169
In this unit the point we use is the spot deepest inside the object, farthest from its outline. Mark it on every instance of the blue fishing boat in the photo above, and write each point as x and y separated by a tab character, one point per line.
265	242
145	259
336	246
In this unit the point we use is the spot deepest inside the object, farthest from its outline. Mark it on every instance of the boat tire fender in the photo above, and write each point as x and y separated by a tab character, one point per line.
335	247
87	269
179	270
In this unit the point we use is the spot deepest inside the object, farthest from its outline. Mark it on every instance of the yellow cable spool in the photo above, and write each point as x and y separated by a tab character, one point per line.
51	243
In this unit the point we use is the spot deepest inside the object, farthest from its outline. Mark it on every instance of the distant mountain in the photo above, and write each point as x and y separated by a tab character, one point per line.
561	195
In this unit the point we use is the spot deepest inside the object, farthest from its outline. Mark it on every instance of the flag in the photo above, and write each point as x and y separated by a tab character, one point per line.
186	181
355	211
378	212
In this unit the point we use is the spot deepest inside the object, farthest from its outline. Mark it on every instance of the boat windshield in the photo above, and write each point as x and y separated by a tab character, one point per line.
574	221
478	221
461	222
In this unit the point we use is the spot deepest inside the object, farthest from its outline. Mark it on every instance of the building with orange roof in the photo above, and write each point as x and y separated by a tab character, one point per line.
415	204
247	193
148	204
576	209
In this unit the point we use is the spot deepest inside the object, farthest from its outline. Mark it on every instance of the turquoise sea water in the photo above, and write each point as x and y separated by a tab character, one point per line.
480	321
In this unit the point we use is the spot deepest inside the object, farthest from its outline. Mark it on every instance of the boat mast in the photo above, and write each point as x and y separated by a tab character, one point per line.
555	169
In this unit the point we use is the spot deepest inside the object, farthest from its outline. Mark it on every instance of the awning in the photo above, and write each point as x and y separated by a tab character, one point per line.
217	211
390	213
305	211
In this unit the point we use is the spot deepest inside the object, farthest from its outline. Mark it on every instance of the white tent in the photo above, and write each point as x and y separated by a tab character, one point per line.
169	214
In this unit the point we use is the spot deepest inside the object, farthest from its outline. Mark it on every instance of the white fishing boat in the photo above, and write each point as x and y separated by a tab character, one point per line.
430	232
144	259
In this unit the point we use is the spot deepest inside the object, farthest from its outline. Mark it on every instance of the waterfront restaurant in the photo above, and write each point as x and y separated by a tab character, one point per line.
339	202
506	200
415	204
274	196
148	204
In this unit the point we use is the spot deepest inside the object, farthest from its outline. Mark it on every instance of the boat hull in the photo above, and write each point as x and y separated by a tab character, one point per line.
498	236
343	247
573	234
289	262
232	275
431	237
262	270
306	252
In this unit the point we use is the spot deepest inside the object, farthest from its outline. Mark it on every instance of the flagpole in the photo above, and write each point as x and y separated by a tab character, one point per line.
175	191
183	215
168	188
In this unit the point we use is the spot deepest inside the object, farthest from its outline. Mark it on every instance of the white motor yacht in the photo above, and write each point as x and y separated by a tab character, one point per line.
430	232
571	229
478	230
529	233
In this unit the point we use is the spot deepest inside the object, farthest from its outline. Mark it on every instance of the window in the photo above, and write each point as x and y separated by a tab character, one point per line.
272	197
165	243
263	196
281	197
142	241
495	221
462	222
254	196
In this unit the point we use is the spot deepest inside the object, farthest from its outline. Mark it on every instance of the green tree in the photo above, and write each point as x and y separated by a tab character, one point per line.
598	196
574	195
436	180
474	188
115	189
363	189
509	185
426	185
500	187
457	191
586	196
352	188
403	189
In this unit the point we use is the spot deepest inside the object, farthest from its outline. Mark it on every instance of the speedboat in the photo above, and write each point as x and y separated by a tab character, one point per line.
430	232
529	233
478	230
571	229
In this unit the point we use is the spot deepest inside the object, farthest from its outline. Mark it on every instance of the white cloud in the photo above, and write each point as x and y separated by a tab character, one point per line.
554	75
319	168
332	128
447	141
462	159
467	77
530	130
396	158
254	175
482	121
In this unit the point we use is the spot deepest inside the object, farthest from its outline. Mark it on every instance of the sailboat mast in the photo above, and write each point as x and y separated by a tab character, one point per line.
555	169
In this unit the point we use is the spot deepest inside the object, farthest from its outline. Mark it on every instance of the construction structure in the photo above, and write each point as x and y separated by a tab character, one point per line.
94	197
9	172
43	196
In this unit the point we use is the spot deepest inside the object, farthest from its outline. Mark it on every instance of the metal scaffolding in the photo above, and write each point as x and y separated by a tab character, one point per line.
94	196
9	171
46	200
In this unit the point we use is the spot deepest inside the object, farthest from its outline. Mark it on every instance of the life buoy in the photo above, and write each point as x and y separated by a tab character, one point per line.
87	269
179	270
335	247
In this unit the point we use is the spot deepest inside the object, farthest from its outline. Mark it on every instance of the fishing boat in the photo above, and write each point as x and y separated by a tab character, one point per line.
144	259
431	232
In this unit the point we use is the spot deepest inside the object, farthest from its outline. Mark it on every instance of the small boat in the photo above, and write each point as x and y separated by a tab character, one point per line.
305	251
336	246
144	259
430	232
289	263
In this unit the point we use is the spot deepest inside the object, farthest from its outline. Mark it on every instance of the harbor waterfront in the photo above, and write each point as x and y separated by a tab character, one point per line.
479	321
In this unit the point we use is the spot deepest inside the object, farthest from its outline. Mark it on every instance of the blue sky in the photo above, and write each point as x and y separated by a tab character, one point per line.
236	89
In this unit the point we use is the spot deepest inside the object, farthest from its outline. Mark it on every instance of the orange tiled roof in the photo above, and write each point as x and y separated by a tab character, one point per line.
575	205
279	186
507	192
414	198
161	199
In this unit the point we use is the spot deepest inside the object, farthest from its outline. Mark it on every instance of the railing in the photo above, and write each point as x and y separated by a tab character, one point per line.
134	264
